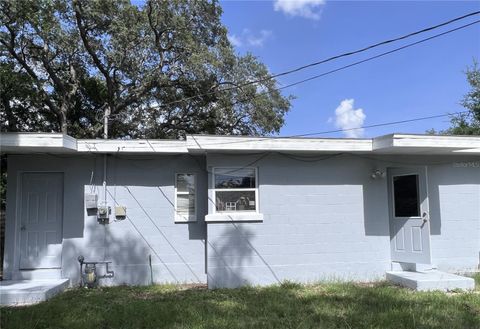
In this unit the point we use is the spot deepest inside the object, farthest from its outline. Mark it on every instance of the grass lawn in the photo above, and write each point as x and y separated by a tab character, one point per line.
333	305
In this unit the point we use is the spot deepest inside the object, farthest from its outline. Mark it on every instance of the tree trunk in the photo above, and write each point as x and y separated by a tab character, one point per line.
63	118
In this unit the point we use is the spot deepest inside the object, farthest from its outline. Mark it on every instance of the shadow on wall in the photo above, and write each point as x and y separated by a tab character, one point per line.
147	246
233	252
119	251
464	171
136	257
229	256
351	174
375	208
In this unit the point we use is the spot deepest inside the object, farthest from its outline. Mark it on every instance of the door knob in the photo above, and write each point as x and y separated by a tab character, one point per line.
23	227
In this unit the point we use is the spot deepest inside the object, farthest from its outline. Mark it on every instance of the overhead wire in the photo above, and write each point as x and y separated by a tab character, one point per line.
351	65
357	62
346	54
348	66
258	139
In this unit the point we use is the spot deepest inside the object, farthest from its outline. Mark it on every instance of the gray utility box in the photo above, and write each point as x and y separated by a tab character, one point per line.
120	212
91	201
103	212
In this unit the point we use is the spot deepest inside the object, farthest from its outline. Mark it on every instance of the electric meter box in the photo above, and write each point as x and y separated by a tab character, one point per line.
91	201
120	212
103	212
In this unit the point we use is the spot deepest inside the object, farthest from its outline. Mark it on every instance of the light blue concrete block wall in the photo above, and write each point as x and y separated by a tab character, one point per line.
323	220
454	195
149	235
326	218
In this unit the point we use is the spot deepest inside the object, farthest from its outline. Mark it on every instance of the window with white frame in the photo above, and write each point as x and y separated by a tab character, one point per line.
235	189
185	197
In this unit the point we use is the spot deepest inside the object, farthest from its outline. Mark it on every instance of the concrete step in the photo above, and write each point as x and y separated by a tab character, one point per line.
411	267
430	280
37	274
27	292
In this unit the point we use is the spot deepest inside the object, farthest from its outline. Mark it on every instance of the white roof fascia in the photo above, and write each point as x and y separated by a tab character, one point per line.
388	144
428	144
37	142
435	141
132	146
382	142
468	151
200	143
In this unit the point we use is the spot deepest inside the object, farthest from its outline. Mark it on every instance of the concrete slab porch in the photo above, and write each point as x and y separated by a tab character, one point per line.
430	280
26	292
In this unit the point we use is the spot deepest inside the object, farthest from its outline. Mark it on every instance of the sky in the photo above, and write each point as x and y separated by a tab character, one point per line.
423	80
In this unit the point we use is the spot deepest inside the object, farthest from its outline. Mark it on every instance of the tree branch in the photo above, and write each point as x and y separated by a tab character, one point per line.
10	46
84	36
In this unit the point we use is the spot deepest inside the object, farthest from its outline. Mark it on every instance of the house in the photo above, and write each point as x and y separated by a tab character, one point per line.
230	211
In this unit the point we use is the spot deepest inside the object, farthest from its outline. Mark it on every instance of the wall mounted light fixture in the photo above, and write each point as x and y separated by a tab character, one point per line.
378	174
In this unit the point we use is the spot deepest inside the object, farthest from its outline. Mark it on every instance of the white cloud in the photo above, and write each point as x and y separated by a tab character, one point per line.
311	9
347	117
248	38
259	40
235	40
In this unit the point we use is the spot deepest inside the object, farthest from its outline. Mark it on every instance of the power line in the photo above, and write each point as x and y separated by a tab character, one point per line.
355	64
359	62
350	53
383	124
101	141
348	66
342	130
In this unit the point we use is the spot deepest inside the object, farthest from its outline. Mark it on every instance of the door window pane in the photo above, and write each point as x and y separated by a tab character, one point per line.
406	196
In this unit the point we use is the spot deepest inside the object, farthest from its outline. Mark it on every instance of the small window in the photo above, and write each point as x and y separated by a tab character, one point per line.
406	196
185	198
235	189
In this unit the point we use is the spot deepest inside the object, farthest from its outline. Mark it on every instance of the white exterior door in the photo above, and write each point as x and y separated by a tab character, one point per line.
41	217
409	215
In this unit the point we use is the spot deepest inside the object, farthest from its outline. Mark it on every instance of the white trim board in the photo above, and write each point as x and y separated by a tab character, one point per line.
132	146
37	142
242	143
201	144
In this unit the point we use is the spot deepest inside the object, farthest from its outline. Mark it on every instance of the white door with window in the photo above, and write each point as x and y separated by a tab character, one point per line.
409	215
40	220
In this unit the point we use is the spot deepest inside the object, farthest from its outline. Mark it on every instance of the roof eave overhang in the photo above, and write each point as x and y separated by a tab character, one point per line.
37	143
202	144
240	144
426	144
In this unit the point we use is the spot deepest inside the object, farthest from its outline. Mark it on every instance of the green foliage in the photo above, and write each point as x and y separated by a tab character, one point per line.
469	123
141	66
336	305
21	107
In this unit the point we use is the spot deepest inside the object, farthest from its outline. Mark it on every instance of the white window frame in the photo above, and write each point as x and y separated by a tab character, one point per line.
215	190
180	218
